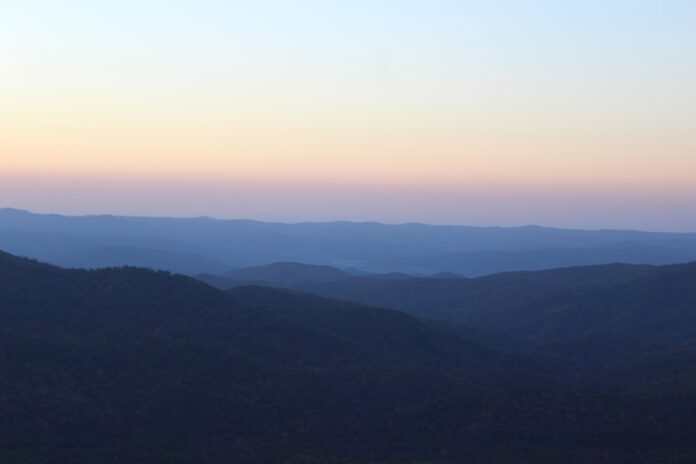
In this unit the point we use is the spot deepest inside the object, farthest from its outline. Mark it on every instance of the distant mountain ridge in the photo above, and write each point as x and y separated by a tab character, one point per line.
117	256
285	274
495	301
201	245
542	305
288	275
480	263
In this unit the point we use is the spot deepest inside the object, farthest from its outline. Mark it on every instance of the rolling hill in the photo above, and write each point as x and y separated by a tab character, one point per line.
622	298
133	365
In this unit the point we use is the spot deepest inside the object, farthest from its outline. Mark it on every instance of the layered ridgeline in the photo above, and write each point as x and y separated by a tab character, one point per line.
205	245
608	316
542	305
132	365
537	305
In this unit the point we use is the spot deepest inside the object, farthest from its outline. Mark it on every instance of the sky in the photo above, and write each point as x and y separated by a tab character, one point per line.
484	112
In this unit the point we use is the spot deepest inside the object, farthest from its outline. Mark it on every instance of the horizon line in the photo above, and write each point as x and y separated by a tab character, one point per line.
339	221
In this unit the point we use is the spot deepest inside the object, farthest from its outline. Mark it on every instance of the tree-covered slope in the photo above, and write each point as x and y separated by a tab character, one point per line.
131	365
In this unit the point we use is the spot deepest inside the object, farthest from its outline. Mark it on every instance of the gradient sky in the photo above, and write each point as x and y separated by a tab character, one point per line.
567	113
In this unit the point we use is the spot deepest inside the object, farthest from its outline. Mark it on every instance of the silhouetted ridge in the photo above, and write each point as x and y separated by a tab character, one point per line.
141	366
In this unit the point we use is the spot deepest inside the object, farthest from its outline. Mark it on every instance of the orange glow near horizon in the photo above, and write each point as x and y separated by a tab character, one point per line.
519	102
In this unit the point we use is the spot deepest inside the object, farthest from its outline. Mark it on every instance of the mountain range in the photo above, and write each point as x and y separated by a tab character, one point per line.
577	365
205	245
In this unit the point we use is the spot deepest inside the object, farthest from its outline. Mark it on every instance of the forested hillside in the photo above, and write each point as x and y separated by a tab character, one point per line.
132	365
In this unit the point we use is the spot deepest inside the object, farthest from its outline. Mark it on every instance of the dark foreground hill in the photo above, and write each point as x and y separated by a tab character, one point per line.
129	365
